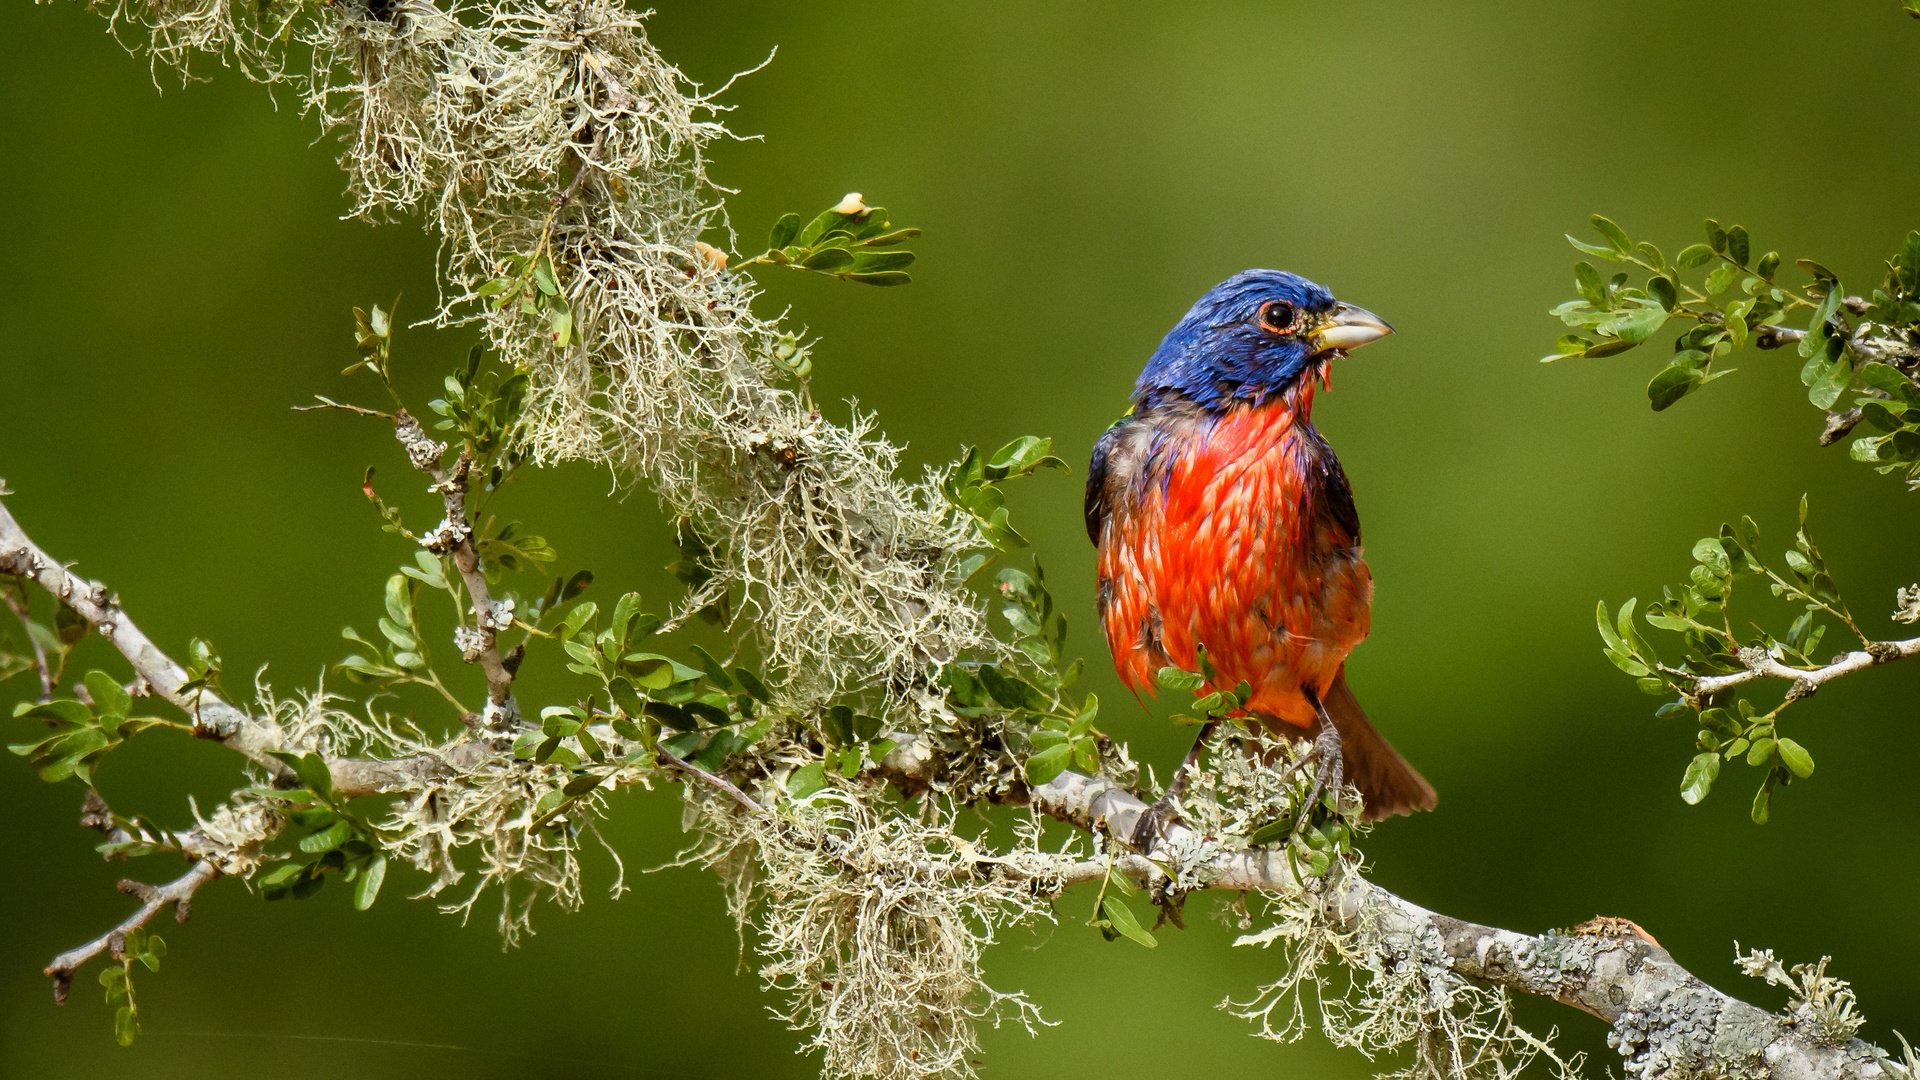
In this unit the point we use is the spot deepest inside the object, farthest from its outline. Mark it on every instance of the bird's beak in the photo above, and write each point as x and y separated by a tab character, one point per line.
1346	329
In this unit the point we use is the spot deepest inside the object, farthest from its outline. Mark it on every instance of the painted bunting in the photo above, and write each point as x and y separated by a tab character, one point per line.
1224	522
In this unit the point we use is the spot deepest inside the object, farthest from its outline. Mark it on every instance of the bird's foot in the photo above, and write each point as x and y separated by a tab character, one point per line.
1151	828
1329	767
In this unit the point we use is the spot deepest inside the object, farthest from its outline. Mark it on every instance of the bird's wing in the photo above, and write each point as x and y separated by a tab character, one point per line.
1336	495
1099	503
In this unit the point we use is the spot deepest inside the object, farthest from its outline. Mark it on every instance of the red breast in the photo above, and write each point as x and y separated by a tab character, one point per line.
1220	541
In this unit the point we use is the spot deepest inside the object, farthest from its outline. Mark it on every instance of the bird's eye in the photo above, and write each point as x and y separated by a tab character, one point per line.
1278	316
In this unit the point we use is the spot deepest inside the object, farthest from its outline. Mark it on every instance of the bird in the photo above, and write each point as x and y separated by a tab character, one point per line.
1224	523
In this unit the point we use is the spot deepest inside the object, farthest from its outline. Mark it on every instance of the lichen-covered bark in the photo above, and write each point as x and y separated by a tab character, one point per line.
1666	1022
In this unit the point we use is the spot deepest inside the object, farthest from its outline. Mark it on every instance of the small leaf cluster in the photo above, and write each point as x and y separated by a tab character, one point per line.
138	947
852	242
482	409
78	734
203	672
1890	398
1113	917
852	743
1614	315
373	342
530	283
1696	614
1208	704
1730	298
1032	690
332	839
402	655
973	485
703	712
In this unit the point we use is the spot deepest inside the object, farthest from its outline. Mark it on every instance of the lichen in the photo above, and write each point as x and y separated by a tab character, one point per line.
870	925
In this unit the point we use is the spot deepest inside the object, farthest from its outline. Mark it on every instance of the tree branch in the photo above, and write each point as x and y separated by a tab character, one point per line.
153	899
1762	665
454	536
1665	1020
254	736
211	714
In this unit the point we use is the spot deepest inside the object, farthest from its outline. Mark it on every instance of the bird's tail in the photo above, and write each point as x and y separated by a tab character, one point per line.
1388	783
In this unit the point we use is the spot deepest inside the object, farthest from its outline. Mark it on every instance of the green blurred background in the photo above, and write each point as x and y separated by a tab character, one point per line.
179	277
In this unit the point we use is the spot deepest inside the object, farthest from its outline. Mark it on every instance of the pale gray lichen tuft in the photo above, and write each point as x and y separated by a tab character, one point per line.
555	130
1380	988
870	924
1819	1005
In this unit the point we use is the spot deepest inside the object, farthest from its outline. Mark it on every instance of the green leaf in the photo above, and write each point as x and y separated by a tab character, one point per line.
1178	679
367	888
869	262
1608	633
807	779
1795	758
1639	320
110	699
328	838
1044	765
577	618
827	260
751	684
1614	234
715	671
1587	279
1120	917
548	803
1692	256
878	277
1891	381
560	322
125	1027
280	876
1675	381
1698	781
1021	456
1829	382
1737	244
1662	288
784	230
313	772
543	276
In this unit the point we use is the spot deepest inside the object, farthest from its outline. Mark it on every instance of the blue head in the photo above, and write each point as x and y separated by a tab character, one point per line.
1253	336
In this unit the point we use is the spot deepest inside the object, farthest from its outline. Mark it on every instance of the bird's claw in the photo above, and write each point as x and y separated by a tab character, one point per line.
1151	828
1329	772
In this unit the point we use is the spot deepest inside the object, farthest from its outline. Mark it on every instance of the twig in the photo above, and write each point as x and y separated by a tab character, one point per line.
1762	665
251	735
18	605
454	536
153	898
212	715
718	782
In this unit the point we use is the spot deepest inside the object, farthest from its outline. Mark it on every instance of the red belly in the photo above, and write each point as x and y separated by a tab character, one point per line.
1231	554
